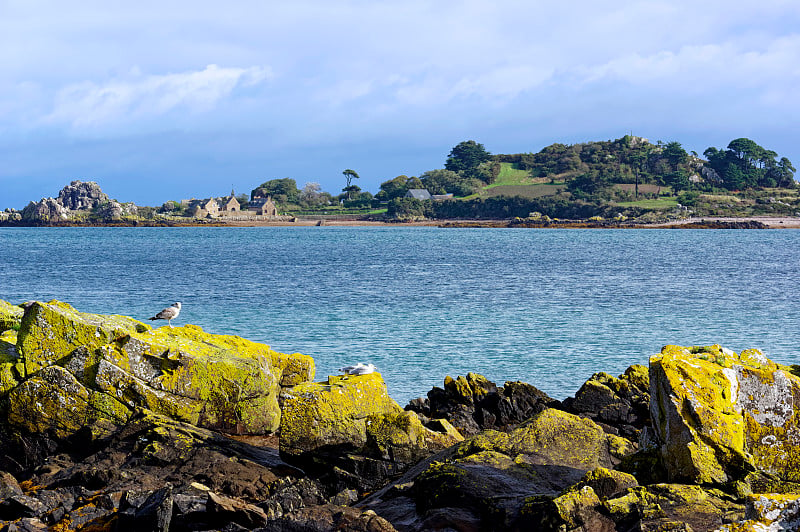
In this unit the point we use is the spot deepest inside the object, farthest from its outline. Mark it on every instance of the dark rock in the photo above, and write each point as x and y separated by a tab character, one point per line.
27	524
344	498
153	515
223	509
327	517
620	405
18	506
8	485
473	403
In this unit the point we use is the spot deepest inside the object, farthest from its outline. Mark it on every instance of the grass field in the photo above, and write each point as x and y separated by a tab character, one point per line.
511	176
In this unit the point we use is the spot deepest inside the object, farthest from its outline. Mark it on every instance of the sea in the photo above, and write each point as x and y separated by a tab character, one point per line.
547	307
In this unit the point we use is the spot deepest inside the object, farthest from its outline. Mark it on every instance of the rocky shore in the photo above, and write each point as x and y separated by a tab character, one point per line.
109	424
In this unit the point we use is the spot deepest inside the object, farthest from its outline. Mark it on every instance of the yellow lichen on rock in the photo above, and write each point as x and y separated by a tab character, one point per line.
55	402
10	316
216	381
335	412
51	331
719	415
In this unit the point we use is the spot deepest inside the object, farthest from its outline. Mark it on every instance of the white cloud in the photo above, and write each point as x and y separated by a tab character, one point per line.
124	101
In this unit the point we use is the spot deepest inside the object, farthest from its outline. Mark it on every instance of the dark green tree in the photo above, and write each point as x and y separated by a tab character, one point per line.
281	190
349	175
466	157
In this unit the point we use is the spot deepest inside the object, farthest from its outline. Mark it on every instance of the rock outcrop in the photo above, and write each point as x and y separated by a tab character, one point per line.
107	424
349	430
474	403
81	196
621	405
47	210
719	416
105	367
113	210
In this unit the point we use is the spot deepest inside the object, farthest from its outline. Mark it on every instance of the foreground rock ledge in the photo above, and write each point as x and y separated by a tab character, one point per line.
108	424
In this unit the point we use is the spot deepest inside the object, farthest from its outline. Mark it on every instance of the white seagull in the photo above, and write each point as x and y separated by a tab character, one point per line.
358	369
169	313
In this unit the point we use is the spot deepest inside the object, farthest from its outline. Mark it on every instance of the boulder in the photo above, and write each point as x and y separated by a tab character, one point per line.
11	367
673	507
54	402
620	404
348	431
113	210
49	332
489	478
768	512
474	403
216	381
10	316
80	195
119	364
47	210
719	416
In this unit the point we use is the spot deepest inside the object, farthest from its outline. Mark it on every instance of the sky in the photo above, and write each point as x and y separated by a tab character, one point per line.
161	101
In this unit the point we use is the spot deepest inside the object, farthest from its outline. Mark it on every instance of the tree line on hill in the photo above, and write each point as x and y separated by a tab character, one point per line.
587	171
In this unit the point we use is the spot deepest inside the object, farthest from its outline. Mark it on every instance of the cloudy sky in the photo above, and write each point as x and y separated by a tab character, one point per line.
170	100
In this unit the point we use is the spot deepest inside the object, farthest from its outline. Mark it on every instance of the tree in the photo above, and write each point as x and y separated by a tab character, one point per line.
282	190
466	157
349	175
675	154
311	194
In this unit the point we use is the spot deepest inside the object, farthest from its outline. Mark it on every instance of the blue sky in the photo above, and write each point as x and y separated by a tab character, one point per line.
170	100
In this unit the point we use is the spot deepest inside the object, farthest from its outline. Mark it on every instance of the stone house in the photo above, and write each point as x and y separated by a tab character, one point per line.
204	208
263	206
214	207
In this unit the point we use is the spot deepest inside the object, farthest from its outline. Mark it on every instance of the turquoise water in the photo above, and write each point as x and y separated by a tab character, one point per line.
549	307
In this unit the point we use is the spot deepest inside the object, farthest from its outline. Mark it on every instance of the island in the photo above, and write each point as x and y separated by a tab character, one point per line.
627	182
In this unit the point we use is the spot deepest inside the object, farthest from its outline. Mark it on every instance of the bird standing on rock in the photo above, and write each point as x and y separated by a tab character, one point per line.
169	313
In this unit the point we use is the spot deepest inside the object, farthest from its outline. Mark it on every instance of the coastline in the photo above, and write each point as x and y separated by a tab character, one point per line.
751	222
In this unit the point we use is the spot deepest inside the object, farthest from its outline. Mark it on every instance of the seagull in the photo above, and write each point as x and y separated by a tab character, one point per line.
169	313
358	369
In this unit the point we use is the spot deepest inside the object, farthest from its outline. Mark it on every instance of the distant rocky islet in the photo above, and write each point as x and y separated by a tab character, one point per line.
110	424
